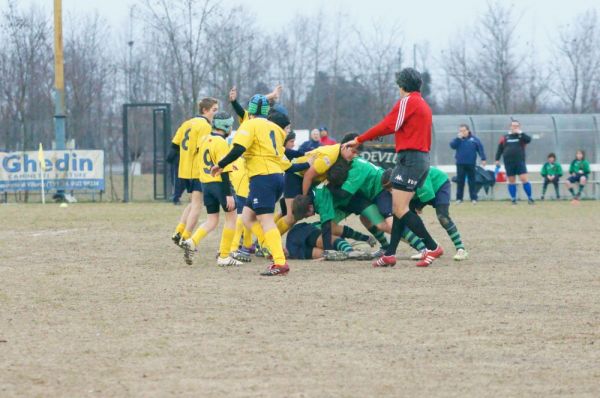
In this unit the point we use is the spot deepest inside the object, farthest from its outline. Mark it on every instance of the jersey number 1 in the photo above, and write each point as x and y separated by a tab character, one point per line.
272	135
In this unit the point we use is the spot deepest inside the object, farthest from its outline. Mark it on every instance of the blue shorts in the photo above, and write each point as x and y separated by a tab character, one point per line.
192	184
576	178
293	185
301	240
442	196
384	203
515	169
214	197
265	191
240	202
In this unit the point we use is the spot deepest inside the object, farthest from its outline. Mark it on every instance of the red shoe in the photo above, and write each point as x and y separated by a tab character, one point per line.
275	270
429	256
385	261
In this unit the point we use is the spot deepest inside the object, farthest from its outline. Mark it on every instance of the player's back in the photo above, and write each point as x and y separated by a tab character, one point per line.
211	149
323	158
186	137
263	141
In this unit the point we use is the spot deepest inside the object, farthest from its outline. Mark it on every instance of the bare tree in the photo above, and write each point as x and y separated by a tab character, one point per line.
578	62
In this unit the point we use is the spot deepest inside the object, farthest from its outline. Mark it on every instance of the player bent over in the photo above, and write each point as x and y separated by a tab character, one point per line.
261	143
217	192
436	192
185	142
305	241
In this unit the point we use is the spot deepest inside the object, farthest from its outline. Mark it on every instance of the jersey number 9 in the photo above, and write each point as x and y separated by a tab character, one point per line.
207	162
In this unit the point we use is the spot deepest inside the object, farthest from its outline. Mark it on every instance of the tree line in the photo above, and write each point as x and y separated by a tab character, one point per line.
333	72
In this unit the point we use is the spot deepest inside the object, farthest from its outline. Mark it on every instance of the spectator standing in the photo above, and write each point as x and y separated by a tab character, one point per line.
551	171
325	139
313	141
467	147
512	148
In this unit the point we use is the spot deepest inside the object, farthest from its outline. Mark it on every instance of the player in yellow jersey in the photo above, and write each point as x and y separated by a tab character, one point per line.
217	192
261	143
242	114
241	187
320	159
185	142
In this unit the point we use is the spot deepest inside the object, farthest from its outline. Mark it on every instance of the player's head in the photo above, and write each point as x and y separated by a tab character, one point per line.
338	172
223	122
551	157
349	153
258	106
515	126
302	207
386	179
580	154
409	80
207	107
290	140
280	119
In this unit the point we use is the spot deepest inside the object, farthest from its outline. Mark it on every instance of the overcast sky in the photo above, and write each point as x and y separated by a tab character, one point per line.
421	20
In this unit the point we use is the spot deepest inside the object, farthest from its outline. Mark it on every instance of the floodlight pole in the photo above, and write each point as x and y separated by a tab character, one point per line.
59	81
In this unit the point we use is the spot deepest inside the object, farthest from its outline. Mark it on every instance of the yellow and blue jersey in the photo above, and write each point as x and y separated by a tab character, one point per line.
211	149
263	141
239	178
186	137
323	158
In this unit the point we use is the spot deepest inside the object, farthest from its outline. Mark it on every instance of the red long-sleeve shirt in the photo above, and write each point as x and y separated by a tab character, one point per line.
410	119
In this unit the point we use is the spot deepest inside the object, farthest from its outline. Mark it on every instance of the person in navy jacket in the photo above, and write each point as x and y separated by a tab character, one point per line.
467	147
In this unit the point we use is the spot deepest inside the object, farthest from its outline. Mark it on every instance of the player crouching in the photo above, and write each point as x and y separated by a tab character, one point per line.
217	192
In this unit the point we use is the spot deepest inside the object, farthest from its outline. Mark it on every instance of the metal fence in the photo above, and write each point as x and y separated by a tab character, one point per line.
561	134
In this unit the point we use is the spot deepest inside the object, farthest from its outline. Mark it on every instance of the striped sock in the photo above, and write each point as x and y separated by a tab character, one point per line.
380	236
353	234
342	245
413	240
454	235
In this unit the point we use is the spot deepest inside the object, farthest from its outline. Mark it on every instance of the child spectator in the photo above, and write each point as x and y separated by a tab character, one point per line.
551	171
579	170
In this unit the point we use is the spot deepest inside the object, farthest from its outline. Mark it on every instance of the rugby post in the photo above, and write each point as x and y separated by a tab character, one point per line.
42	171
59	81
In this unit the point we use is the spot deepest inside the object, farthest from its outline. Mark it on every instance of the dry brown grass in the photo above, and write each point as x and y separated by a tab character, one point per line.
96	301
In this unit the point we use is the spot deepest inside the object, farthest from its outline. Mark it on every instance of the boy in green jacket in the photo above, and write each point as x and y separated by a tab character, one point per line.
579	170
551	171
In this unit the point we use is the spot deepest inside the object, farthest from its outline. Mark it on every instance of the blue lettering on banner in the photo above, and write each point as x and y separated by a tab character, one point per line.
68	170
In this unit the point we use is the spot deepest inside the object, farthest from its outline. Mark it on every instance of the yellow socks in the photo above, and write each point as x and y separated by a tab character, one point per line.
247	237
185	235
239	229
226	237
198	235
282	225
180	228
258	232
273	242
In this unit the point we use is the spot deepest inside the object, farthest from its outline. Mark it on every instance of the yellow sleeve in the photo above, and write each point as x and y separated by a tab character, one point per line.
178	137
244	136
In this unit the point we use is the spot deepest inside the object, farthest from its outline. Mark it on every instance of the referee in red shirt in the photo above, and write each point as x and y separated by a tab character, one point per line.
410	120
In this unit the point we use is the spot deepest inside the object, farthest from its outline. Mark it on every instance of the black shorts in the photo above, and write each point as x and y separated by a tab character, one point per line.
410	171
214	196
442	196
293	185
576	178
515	169
384	203
301	240
240	202
192	184
358	203
265	191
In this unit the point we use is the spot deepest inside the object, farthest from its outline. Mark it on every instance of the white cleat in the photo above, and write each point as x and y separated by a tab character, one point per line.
189	249
461	254
228	262
417	256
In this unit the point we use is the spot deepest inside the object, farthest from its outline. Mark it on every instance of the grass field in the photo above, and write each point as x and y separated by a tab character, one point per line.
96	301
